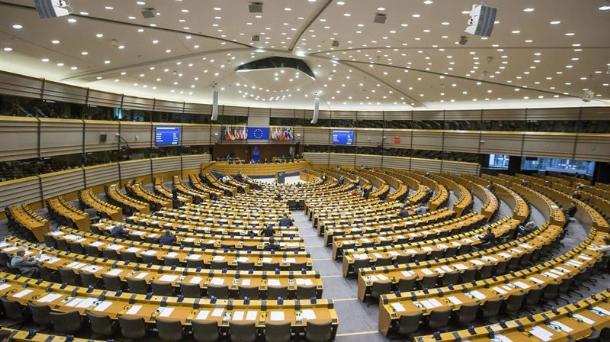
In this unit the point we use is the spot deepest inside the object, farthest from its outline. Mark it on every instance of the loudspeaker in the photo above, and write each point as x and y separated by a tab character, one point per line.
481	21
51	8
316	109
215	105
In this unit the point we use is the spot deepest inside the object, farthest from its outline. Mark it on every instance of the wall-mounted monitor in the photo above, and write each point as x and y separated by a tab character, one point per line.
234	133
342	137
282	134
167	136
258	133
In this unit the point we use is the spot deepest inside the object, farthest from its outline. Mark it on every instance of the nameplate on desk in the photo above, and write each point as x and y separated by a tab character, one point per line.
102	306
114	272
22	293
168	277
560	326
600	311
398	307
583	319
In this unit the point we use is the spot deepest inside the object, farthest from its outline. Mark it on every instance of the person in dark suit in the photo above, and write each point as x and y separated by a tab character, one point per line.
167	239
285	221
269	230
118	232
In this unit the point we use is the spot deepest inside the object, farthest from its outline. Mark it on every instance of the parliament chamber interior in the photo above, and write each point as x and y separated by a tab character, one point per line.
304	170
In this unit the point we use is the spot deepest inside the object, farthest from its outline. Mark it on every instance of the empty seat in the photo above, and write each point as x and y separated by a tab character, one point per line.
132	327
450	278
277	331
129	256
150	259
41	313
406	284
551	291
169	329
514	303
383	261
137	285
101	324
467	313
380	287
88	279
218	291
533	297
12	310
245	266
62	244
429	281
68	276
92	251
66	322
171	261
111	282
297	266
274	292
319	330
248	291
76	247
468	275
194	263
501	267
110	254
360	263
217	265
162	288
242	331
486	271
491	308
439	318
205	331
306	291
190	290
409	323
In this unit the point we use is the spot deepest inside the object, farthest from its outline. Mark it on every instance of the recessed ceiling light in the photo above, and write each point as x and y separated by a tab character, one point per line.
428	2
99	35
17	26
555	22
445	23
71	20
516	31
45	60
110	8
340	3
604	8
416	15
570	34
84	53
528	10
55	41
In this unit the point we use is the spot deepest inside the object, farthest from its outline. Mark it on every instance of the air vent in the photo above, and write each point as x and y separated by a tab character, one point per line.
256	38
335	43
255	7
380	18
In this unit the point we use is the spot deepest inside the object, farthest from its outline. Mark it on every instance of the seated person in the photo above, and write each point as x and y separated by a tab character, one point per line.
27	267
571	210
525	229
168	238
278	197
422	209
118	232
489	237
404	212
268	231
285	221
490	186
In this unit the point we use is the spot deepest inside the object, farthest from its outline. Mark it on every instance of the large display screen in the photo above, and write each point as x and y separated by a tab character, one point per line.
258	133
343	137
234	133
282	134
166	136
581	167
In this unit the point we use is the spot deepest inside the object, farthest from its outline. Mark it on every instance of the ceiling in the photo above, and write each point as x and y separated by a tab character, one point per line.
542	53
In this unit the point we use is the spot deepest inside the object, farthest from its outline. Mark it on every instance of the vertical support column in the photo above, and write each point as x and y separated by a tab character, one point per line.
514	164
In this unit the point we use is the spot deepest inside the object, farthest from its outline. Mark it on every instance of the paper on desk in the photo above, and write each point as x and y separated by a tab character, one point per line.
601	310
245	282
238	315
476	294
4	286
114	272
193	257
308	314
521	285
217	312
583	319
251	315
91	268
276	316
274	282
133	249
133	309
454	300
398	307
85	303
74	302
103	306
218	258
22	293
536	280
196	280
301	281
203	314
541	333
501	338
142	275
217	281
171	255
168	277
96	243
49	298
499	290
165	311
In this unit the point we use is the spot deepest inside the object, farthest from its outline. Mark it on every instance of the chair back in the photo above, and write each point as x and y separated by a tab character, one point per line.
137	285
248	291
408	324
132	327
277	331
273	292
318	330
439	319
242	331
218	291
66	322
169	329
205	331
100	324
190	290
40	313
112	282
162	288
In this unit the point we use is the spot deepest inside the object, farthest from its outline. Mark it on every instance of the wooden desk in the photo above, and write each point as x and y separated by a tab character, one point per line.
62	208
113	193
31	221
89	199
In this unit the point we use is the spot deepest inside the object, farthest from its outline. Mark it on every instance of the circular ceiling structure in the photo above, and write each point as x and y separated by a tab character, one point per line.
544	53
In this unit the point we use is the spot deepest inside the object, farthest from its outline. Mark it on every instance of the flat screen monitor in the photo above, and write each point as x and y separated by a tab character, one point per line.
258	133
167	136
343	137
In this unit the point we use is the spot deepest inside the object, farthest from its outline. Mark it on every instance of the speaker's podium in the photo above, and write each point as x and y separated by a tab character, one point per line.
280	177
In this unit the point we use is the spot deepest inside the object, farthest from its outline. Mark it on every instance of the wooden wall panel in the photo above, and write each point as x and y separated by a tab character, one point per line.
398	116
194	161
135	168
193	134
282	113
316	136
547	145
101	174
347	159
593	147
426	165
94	129
397	138
398	163
60	136
501	142
462	141
545	114
316	158
368	137
368	160
378	115
18	191
18	138
166	164
56	183
136	134
427	140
